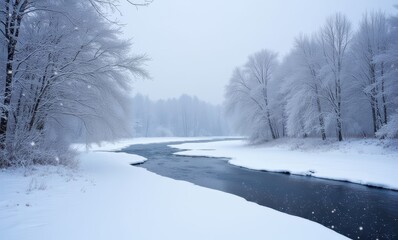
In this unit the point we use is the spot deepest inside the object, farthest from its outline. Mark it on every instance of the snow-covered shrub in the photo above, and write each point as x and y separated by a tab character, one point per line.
389	130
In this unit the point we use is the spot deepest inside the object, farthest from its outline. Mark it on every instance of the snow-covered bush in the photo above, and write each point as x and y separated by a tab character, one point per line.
390	130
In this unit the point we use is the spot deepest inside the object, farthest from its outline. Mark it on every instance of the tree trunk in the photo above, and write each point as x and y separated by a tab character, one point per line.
373	99
12	24
339	130
383	95
268	115
321	119
270	125
374	118
338	97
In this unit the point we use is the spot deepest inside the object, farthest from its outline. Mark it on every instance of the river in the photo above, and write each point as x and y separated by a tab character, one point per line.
356	211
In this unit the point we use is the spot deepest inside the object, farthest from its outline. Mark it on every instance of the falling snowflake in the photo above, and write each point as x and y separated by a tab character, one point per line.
333	226
61	104
88	86
9	71
361	228
32	144
55	73
76	28
57	159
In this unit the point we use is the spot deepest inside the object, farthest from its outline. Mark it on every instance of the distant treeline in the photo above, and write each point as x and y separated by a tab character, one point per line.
185	116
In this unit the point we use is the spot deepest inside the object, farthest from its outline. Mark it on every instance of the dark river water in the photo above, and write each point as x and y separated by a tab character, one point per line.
356	211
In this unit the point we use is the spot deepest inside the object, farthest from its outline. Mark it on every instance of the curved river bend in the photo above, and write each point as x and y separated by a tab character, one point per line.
356	211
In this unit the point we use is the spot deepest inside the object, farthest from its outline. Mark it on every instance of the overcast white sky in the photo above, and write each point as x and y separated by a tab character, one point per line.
195	45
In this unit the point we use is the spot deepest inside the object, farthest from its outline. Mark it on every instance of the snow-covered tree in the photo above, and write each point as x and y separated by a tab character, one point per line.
69	75
335	38
334	83
249	96
304	89
390	60
370	41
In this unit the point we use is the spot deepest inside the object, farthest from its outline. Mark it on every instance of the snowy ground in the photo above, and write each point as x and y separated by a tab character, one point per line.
106	198
371	162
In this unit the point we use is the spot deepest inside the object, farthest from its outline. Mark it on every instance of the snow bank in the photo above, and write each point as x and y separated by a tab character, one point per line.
109	199
368	162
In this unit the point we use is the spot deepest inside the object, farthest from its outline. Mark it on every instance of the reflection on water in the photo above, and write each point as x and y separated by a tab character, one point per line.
356	211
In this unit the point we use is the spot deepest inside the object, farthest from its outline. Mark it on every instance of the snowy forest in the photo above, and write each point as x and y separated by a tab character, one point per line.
337	82
183	117
145	119
64	71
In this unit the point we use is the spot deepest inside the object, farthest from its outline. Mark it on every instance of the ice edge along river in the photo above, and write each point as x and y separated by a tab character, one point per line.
365	162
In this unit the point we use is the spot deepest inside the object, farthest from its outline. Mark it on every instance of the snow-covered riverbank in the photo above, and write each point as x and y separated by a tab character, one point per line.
370	162
106	198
